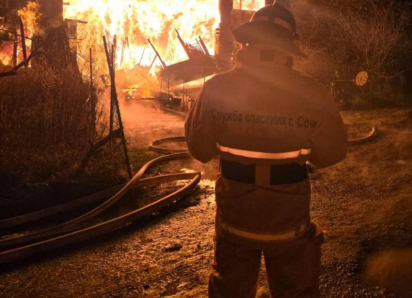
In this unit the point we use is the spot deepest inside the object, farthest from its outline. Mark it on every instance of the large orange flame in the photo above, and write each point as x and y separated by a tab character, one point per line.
132	22
29	16
135	21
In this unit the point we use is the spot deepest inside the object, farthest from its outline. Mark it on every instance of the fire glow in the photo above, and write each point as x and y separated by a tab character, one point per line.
132	22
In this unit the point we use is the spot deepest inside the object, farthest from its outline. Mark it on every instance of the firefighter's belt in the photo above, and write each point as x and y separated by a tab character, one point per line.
277	174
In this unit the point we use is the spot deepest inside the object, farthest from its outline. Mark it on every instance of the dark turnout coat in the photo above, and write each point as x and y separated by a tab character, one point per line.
266	122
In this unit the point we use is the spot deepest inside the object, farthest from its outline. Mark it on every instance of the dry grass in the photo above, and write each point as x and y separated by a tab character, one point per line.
44	110
45	130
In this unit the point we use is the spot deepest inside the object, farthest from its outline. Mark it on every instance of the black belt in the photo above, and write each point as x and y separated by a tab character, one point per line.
279	174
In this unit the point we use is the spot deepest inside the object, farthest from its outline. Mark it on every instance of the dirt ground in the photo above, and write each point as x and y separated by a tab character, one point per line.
364	204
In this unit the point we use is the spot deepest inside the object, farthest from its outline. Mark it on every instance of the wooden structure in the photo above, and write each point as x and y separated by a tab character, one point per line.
199	65
224	38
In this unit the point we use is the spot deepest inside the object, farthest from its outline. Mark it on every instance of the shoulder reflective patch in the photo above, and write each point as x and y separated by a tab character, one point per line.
264	155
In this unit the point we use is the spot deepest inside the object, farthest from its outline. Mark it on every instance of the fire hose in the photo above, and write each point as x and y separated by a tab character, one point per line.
371	135
66	233
86	200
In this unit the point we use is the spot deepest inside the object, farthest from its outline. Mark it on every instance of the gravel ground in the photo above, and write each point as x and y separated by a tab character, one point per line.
364	204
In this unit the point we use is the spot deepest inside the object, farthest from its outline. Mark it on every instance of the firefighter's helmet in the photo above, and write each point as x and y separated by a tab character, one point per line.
271	25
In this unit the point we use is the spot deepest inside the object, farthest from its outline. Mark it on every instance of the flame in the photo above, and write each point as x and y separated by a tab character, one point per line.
134	21
30	15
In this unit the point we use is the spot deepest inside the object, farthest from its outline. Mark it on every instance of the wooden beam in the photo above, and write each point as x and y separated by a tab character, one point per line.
225	48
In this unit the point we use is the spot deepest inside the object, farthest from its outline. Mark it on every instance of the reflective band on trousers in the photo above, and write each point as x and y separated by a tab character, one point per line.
265	237
264	155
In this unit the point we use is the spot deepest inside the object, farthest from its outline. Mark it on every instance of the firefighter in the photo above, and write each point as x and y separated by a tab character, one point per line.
266	122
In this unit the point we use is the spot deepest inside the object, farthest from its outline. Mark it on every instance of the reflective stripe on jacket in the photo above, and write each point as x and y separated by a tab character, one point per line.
264	114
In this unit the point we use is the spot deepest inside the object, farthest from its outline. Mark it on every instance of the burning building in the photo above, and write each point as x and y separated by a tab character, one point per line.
157	44
186	42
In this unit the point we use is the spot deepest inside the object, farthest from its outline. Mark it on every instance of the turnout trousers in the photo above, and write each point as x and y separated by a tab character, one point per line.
292	267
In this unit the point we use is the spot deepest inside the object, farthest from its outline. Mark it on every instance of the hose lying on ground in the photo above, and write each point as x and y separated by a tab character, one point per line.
104	227
156	146
85	200
69	225
64	207
67	232
116	193
371	135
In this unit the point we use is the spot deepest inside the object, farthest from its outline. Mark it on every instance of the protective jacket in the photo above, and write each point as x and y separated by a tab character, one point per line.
266	121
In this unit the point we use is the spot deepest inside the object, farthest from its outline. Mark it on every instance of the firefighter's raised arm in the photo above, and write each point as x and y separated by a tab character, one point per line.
199	132
330	141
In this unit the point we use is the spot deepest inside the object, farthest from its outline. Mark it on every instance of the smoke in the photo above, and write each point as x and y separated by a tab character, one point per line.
392	270
145	121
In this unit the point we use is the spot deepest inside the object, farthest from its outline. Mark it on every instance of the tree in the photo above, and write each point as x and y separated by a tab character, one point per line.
344	37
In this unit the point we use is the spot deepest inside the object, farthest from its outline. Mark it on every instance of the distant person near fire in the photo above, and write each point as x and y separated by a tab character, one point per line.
266	121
